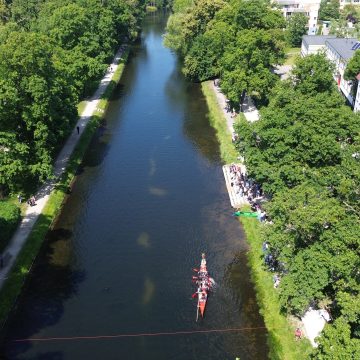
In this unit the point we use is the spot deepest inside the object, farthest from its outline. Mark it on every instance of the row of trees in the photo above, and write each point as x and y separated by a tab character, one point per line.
52	53
236	40
305	153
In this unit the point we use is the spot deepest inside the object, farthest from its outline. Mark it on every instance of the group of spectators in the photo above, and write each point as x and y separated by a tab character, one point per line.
247	188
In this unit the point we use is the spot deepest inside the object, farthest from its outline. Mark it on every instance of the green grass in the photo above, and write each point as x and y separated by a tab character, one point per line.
150	8
281	337
291	55
81	107
17	276
218	121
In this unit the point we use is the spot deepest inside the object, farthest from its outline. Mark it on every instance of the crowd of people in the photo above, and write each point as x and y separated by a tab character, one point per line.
247	188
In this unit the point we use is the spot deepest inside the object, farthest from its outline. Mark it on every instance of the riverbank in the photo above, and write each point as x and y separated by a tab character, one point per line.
30	235
281	338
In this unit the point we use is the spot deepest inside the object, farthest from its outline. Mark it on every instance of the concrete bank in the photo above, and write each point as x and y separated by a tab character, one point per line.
27	240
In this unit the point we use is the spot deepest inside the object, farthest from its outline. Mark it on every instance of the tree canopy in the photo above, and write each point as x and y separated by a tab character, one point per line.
297	27
238	41
305	152
51	54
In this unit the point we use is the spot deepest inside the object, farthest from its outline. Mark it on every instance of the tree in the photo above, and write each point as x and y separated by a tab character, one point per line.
183	28
297	26
4	12
9	219
329	10
336	342
353	67
37	107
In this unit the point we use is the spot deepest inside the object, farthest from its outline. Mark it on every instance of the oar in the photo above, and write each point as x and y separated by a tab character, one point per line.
197	311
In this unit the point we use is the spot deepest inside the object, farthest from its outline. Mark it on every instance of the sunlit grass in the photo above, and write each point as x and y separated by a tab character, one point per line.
291	55
218	121
281	337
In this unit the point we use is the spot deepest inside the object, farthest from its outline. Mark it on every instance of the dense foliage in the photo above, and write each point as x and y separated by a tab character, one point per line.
347	22
297	27
237	40
305	152
329	10
52	53
9	219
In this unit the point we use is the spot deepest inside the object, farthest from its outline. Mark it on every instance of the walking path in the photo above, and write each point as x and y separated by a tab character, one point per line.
251	114
42	196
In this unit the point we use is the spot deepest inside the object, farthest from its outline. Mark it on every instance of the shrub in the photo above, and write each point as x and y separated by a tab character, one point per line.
9	219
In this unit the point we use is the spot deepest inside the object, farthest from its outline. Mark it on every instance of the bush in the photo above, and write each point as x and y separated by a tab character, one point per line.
9	219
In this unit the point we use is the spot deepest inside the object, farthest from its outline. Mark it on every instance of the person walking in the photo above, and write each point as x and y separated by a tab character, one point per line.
78	130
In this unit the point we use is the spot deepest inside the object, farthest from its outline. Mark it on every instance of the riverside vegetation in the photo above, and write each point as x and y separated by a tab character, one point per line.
305	153
52	55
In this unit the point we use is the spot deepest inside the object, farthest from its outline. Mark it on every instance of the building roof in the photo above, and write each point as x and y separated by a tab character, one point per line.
344	47
317	39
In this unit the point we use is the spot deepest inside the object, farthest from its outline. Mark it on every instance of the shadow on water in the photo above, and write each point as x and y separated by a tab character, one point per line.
196	125
52	282
98	148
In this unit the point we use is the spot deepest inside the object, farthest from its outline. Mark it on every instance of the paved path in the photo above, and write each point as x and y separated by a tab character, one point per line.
222	101
236	200
42	196
283	71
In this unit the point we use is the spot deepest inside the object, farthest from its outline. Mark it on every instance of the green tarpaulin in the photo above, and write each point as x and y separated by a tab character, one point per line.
246	213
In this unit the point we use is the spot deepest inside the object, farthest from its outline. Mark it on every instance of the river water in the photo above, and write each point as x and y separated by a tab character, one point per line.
149	199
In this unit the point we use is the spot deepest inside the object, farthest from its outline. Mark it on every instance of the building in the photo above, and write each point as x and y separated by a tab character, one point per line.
348	2
312	44
339	51
308	7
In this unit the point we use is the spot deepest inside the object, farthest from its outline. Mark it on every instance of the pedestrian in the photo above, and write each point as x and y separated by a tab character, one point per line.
78	129
298	334
19	198
32	201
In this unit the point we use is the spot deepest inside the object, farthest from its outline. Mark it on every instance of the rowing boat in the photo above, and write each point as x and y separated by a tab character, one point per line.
202	295
203	287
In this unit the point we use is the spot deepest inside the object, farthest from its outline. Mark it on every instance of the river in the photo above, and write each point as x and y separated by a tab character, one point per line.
148	200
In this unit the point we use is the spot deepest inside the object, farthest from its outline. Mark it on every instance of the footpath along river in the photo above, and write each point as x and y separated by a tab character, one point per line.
149	199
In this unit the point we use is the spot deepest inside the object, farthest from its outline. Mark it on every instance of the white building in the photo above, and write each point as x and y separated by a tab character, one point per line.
312	44
308	7
339	51
348	2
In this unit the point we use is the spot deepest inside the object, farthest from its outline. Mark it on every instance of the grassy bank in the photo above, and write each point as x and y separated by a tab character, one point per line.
281	338
17	276
218	122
